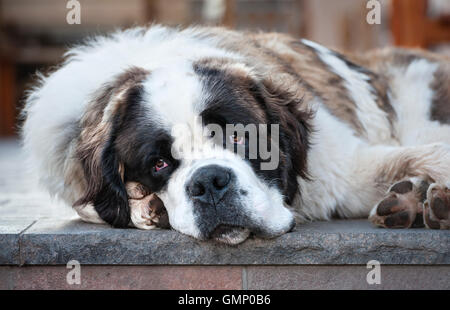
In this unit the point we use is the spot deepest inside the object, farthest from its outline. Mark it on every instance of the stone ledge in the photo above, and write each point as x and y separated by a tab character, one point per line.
55	242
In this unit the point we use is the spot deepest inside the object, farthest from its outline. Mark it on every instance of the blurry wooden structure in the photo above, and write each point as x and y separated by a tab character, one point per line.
7	96
412	27
282	16
7	85
34	34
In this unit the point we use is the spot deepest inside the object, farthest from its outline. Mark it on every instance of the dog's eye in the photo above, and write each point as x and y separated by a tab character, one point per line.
234	138
160	164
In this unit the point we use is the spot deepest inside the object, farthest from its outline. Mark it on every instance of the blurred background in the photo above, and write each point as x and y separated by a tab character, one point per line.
35	33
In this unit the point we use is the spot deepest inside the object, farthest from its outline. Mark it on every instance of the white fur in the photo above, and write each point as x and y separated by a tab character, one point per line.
411	88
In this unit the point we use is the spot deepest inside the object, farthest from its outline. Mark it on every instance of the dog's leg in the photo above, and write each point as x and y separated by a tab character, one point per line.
147	210
422	195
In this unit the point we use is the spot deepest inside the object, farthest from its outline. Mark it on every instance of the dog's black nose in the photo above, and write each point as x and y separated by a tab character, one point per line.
209	184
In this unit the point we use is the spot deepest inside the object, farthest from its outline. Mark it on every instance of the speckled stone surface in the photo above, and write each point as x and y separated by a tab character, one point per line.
10	230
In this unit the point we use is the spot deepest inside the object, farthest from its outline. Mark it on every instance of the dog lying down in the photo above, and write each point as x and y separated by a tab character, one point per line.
222	134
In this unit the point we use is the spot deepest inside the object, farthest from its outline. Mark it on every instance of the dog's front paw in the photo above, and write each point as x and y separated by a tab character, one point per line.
436	208
147	210
400	208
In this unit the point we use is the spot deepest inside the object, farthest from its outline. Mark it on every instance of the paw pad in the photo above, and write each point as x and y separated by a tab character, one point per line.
399	209
437	207
402	187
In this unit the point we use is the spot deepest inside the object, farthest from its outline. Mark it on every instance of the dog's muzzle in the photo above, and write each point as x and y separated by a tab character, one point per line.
213	192
222	210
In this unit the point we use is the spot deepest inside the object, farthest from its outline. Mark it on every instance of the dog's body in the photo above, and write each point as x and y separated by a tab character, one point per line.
351	128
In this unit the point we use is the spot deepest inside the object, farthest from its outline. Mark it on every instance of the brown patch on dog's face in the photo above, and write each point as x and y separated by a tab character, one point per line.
96	148
98	119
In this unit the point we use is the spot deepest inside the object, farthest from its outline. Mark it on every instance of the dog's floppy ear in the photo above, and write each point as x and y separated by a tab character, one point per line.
96	150
286	108
106	188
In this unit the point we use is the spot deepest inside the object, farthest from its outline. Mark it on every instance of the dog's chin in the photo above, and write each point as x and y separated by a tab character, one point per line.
231	235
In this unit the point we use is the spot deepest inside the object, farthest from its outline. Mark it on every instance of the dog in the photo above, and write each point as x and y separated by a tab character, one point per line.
356	135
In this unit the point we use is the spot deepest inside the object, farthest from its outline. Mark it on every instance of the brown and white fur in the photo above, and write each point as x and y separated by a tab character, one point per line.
361	134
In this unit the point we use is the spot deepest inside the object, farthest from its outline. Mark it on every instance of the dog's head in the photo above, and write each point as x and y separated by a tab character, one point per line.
222	147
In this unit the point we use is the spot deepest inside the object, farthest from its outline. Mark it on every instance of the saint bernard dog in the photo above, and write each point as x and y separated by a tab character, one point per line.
358	135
